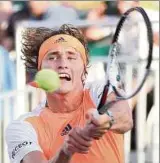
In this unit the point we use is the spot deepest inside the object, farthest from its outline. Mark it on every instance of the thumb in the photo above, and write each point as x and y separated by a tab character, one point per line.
92	116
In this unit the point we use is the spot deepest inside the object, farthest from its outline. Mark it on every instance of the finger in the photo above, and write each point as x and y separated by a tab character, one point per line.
86	132
73	149
91	130
94	117
96	129
89	115
77	145
102	127
105	126
101	120
100	132
77	136
98	136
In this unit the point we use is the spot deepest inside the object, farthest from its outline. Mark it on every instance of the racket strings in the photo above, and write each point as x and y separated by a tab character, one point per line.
113	69
126	43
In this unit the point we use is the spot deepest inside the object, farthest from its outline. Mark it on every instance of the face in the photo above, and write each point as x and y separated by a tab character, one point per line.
67	62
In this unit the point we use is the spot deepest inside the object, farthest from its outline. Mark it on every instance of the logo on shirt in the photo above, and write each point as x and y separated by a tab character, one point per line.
61	39
18	147
66	130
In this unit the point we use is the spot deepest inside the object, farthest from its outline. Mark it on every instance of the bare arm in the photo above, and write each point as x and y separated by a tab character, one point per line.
35	156
38	157
61	157
122	114
123	117
23	144
75	142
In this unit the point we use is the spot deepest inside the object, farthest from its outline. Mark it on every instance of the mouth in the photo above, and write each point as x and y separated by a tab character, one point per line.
64	76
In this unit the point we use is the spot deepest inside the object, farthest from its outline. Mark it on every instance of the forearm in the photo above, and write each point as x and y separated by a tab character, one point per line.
38	157
61	157
122	114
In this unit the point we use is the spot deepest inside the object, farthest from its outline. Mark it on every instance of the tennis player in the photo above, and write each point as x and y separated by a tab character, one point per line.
56	133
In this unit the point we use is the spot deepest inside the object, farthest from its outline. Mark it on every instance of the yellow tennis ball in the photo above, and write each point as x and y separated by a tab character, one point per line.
48	80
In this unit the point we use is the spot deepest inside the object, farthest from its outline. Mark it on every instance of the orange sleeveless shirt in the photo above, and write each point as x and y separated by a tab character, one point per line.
50	129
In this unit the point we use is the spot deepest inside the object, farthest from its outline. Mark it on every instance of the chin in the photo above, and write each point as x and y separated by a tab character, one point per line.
64	90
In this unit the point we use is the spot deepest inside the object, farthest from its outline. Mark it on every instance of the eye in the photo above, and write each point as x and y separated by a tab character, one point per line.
71	53
71	58
53	58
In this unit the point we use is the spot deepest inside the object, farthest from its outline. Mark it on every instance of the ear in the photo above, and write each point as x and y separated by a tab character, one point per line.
83	77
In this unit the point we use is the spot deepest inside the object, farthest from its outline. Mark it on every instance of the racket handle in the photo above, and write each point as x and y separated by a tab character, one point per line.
104	95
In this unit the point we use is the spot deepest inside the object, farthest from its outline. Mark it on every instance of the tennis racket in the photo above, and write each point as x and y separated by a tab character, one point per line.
115	69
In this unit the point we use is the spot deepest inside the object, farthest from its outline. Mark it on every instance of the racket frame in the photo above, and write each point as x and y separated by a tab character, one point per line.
103	106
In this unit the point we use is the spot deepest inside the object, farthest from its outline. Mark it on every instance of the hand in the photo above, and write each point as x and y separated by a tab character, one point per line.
77	141
99	123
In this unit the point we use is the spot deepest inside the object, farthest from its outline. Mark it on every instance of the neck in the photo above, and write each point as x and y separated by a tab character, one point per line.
65	103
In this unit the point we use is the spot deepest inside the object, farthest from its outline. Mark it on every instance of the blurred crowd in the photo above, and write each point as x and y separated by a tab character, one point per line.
13	12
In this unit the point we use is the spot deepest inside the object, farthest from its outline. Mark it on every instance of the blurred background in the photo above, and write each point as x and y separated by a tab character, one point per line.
97	20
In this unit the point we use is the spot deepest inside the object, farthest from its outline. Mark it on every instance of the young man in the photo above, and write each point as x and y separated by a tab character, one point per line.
58	133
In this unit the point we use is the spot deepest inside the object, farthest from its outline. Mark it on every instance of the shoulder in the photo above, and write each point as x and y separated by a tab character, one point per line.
21	125
19	129
21	137
35	112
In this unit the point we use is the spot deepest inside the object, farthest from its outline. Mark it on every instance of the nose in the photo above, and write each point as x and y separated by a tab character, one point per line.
63	63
